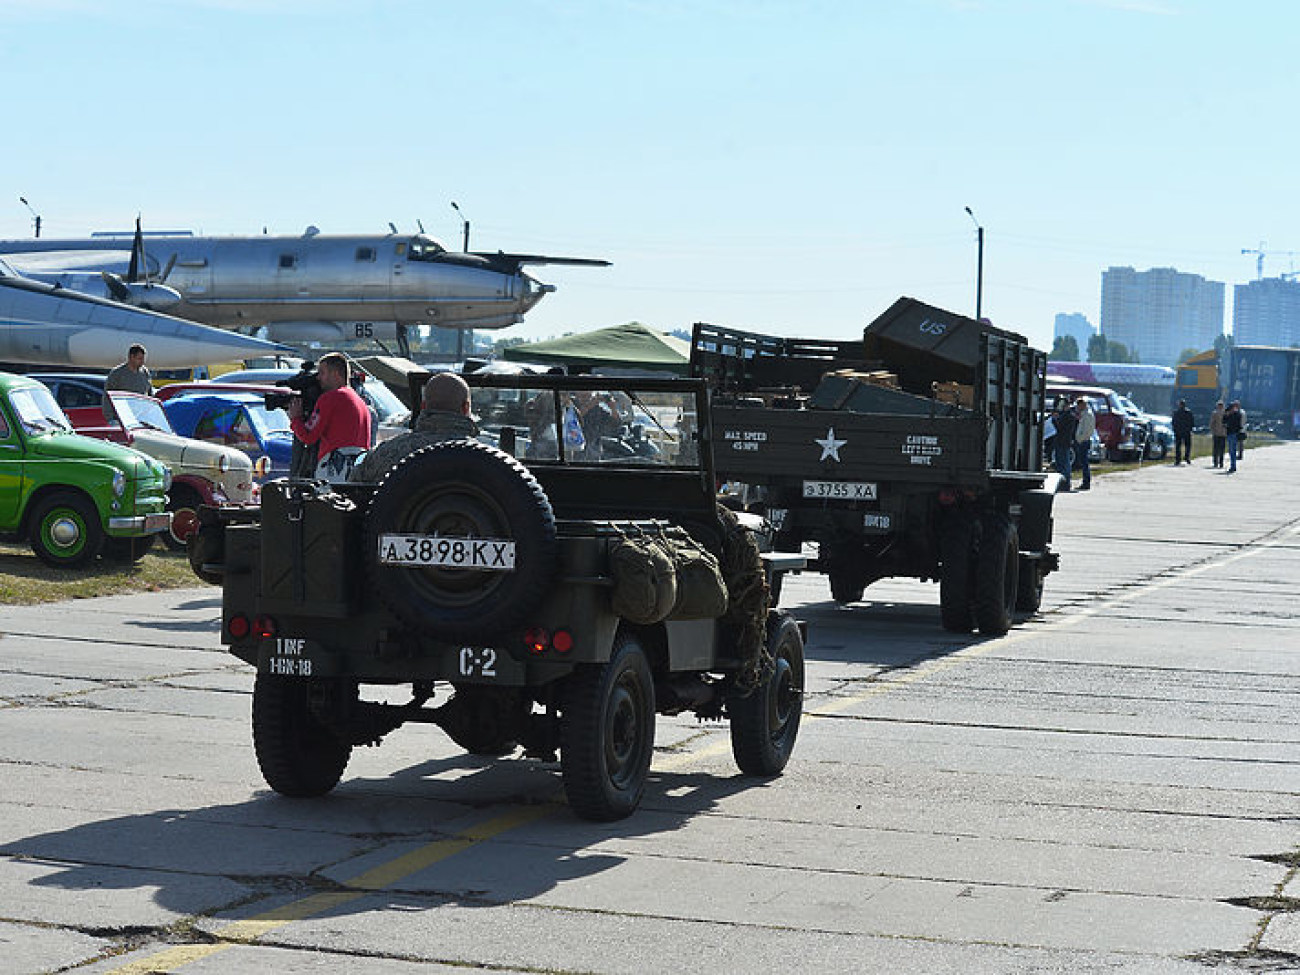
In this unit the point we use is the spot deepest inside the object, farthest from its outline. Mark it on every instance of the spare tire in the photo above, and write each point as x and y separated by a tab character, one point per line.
448	588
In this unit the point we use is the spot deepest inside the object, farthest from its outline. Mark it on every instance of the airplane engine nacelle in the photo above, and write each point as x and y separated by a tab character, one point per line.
153	297
328	333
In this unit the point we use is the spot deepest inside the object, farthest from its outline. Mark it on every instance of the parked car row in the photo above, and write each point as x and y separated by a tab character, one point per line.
1122	428
84	473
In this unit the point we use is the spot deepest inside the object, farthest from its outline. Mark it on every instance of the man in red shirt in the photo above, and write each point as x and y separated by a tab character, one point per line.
340	423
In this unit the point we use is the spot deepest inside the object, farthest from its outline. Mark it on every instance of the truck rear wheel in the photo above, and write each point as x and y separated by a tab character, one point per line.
956	575
298	755
463	490
765	722
1029	589
997	576
607	733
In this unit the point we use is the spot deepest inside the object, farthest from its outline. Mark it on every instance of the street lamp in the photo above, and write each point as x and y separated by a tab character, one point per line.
979	267
36	217
466	225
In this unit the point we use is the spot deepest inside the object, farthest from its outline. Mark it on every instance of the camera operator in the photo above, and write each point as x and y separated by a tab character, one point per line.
340	423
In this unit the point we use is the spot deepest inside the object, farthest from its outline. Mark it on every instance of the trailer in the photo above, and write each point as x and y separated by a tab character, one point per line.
917	452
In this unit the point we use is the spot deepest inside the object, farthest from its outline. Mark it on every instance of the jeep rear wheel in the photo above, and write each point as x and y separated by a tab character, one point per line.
462	490
298	755
765	722
65	530
607	733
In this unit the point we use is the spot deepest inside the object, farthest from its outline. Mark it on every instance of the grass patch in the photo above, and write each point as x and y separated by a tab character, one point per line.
25	579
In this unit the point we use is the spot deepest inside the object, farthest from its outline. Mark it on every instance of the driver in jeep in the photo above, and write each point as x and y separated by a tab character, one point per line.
444	415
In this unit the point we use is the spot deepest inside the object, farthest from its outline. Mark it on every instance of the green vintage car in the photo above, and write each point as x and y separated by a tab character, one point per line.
70	496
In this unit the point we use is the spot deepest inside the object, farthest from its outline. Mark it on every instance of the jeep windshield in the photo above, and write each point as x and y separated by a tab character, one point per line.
37	410
589	421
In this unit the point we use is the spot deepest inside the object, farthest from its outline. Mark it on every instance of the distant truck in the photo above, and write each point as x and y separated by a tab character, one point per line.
916	452
1266	379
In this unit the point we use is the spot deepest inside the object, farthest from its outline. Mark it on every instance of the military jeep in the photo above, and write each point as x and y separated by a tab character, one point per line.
562	578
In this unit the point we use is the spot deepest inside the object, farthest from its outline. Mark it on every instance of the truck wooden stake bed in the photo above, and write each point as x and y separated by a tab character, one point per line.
916	452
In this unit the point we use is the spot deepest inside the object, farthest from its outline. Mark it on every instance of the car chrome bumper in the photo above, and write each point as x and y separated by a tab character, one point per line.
146	524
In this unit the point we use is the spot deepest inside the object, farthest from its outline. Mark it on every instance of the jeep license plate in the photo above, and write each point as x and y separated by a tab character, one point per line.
423	551
840	490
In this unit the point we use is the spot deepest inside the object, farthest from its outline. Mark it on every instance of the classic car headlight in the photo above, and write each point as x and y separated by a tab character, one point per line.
119	484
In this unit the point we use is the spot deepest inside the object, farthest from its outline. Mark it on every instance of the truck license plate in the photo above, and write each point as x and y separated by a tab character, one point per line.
422	551
840	490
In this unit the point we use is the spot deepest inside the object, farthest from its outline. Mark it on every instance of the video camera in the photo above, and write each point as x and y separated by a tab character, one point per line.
305	384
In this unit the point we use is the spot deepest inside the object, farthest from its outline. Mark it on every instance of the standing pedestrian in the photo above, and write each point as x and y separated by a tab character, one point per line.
1063	445
1086	422
131	375
1183	421
1218	435
1233	421
340	422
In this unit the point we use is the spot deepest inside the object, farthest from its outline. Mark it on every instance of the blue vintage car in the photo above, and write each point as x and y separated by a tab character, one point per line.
236	419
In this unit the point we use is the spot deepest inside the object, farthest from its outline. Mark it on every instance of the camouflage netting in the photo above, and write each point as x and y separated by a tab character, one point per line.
742	570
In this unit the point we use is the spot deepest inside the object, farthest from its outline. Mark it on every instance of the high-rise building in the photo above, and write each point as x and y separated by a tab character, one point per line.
1160	312
1077	327
1266	312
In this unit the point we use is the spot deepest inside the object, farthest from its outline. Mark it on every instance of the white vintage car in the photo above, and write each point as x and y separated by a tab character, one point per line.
202	473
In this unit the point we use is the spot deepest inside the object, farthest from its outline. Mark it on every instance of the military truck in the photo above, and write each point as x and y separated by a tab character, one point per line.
915	452
561	587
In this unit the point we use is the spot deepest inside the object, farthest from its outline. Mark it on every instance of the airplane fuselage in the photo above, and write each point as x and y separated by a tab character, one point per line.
48	325
294	283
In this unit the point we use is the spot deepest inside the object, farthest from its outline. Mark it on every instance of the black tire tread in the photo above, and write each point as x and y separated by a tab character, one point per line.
299	757
758	747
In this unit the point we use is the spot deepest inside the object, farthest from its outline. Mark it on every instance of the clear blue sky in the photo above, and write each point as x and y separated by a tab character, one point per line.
782	166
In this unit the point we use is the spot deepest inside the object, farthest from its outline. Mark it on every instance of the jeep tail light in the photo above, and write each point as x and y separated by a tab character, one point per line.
562	641
264	627
536	639
238	626
947	496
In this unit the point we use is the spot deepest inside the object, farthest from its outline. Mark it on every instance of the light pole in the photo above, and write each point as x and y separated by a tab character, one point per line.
466	225
36	217
460	332
979	266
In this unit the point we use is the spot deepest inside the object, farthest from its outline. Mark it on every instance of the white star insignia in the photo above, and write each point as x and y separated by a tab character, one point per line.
830	446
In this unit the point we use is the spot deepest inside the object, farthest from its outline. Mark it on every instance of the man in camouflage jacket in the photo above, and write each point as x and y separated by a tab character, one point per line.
444	415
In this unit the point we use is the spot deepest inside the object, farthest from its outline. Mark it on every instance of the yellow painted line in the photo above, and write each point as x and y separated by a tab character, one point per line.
250	929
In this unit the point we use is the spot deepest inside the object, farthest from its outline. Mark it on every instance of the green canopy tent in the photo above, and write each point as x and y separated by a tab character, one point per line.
618	347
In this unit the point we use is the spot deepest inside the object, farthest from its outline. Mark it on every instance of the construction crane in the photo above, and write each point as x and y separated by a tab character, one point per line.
1259	259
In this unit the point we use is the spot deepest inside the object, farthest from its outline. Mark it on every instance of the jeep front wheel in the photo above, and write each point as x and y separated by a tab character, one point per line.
298	755
607	732
765	722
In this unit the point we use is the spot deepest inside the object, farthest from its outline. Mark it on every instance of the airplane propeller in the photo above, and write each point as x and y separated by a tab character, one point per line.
139	287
